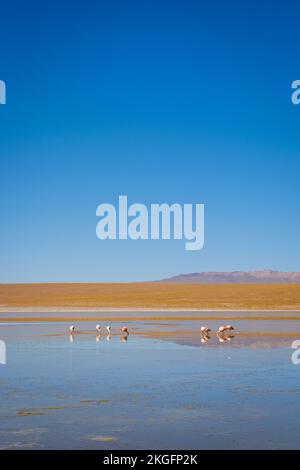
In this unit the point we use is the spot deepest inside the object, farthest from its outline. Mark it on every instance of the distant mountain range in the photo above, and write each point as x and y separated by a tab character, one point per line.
236	277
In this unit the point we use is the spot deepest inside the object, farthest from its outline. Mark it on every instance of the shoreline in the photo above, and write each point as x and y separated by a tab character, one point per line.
126	314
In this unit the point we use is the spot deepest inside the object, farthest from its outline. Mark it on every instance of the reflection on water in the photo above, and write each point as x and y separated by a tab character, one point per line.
167	385
223	337
108	337
123	337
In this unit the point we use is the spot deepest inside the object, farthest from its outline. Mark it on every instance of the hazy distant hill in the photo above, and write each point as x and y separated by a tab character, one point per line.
236	277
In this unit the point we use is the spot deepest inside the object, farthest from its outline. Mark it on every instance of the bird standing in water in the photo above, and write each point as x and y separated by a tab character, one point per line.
224	333
205	337
223	328
205	330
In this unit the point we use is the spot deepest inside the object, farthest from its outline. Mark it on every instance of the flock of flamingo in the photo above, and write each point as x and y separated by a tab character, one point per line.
224	333
124	330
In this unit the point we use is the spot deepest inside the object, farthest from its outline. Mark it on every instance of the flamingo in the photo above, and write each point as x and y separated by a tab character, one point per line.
124	329
98	328
205	330
72	328
223	328
108	329
205	337
229	327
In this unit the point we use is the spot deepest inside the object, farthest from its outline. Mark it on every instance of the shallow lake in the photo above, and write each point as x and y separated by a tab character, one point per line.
161	388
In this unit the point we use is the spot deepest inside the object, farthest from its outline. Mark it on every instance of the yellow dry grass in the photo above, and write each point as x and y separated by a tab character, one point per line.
152	296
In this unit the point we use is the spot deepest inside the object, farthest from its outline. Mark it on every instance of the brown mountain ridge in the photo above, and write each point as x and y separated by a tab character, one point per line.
266	276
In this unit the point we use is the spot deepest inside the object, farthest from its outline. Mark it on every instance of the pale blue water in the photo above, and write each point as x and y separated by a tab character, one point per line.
148	393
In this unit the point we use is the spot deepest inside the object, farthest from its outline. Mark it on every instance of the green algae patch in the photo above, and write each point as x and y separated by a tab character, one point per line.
94	402
30	413
103	438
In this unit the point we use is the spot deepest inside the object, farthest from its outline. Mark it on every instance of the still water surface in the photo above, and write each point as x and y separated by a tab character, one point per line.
162	388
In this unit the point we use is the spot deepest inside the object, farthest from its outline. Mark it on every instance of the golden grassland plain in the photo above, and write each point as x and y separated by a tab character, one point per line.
149	296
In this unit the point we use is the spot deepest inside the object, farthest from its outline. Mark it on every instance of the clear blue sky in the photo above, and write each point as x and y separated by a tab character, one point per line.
182	101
